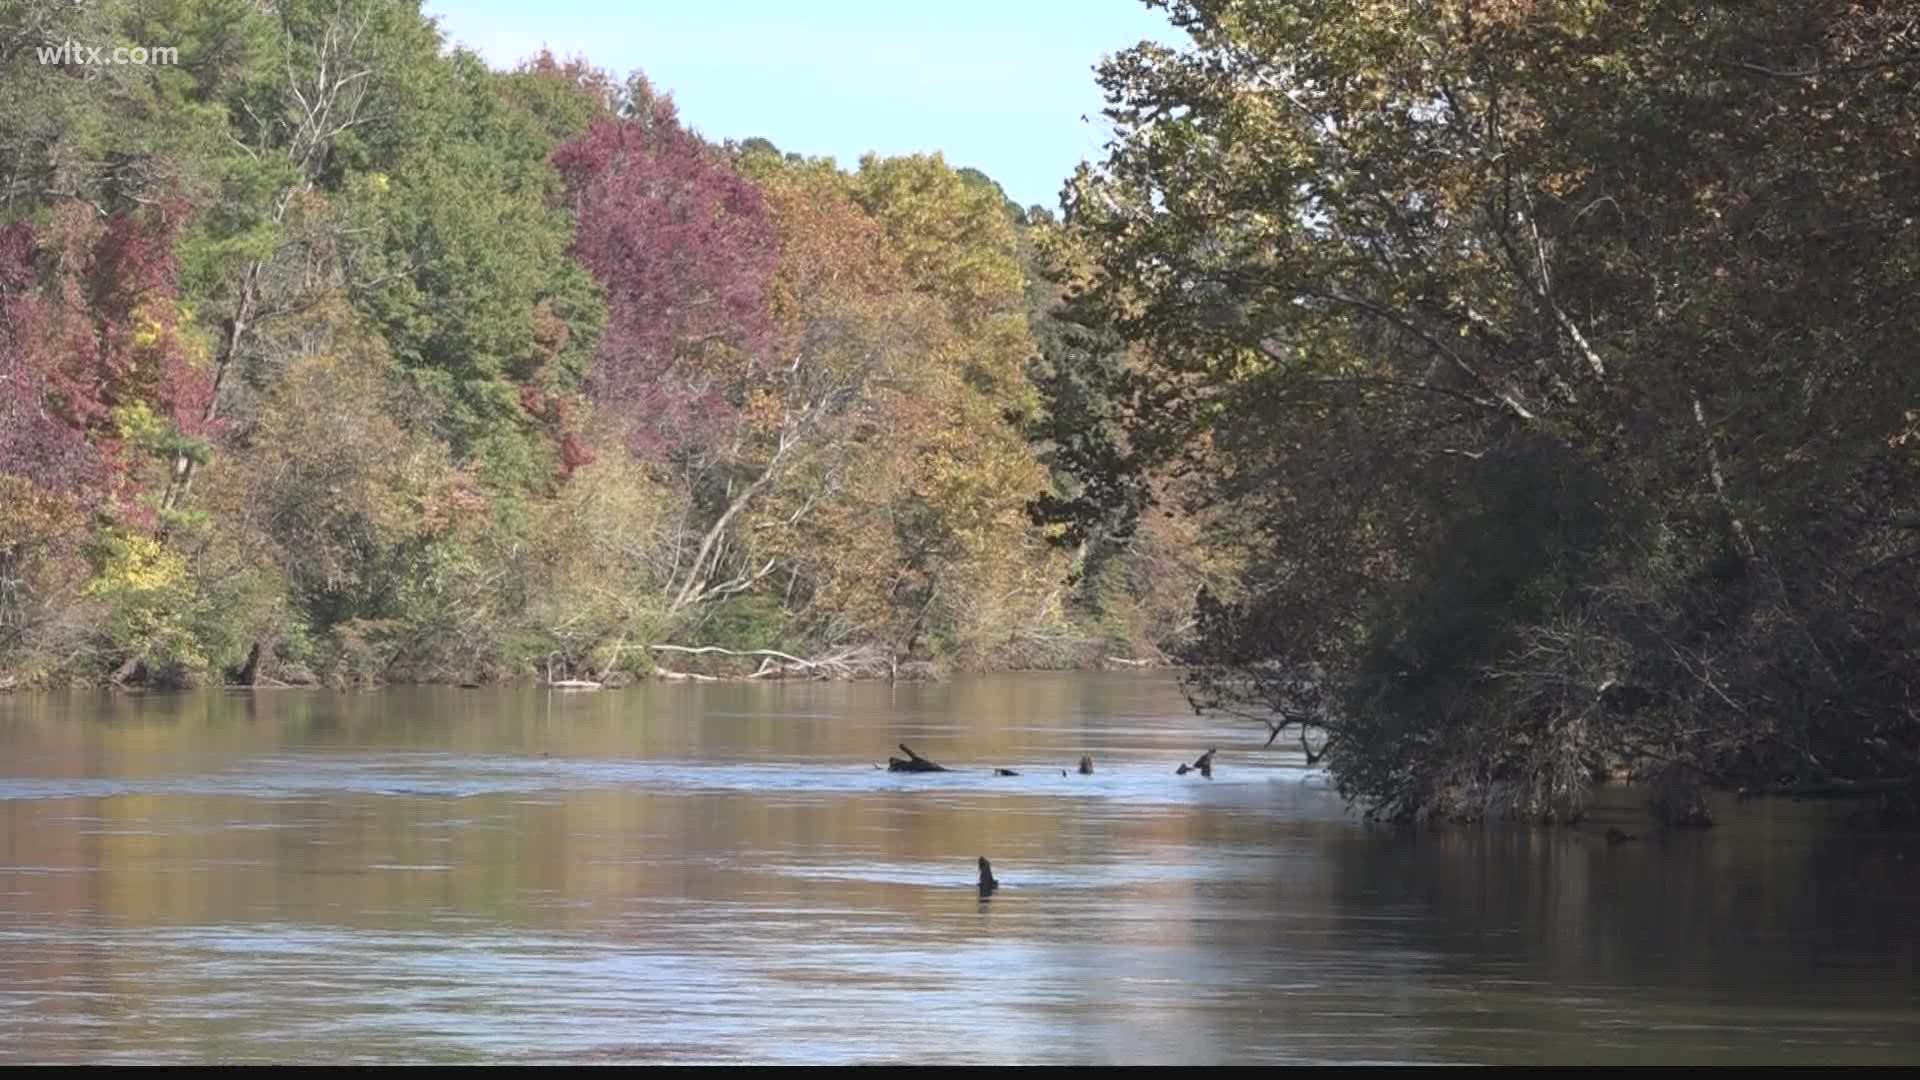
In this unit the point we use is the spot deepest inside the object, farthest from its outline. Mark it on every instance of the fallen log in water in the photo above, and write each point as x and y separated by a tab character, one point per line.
856	663
1005	772
913	762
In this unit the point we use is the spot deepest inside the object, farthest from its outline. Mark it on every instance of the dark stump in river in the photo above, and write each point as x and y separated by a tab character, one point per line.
1204	764
912	763
987	881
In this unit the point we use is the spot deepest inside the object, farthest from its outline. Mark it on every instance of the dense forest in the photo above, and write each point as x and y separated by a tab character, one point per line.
1493	395
330	354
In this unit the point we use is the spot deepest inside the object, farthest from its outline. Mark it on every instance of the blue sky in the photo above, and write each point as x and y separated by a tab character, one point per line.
1000	85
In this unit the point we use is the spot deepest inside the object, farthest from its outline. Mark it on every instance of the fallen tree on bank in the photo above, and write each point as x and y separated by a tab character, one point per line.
863	662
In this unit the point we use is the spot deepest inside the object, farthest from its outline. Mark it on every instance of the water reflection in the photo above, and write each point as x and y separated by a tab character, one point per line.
719	873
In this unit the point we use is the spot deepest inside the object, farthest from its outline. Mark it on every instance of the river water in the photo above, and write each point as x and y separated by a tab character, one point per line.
719	873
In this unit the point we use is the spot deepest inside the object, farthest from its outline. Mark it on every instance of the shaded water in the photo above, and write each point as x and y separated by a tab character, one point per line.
718	873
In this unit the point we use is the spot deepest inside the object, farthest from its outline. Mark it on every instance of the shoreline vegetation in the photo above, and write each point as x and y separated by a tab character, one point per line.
1496	397
708	664
731	666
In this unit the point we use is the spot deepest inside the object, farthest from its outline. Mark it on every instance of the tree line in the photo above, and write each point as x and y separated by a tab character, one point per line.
330	353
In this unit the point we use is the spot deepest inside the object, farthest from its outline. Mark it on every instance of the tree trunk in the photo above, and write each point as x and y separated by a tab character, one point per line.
180	478
1718	478
259	658
129	668
690	589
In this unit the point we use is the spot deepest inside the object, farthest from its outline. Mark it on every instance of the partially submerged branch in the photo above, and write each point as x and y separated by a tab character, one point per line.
1203	764
912	762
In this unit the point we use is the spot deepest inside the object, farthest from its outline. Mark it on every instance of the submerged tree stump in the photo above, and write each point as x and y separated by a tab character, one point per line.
1204	764
1086	765
987	881
912	763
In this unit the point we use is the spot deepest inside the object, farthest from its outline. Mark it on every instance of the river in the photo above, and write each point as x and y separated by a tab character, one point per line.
719	873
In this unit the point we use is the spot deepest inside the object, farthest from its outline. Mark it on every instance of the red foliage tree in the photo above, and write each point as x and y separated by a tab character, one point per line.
89	321
686	251
133	298
38	441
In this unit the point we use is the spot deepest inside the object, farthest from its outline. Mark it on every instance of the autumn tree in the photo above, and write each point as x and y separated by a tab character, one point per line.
852	340
681	244
974	570
1550	353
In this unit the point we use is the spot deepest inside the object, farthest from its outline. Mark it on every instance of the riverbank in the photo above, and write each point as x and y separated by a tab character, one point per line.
708	665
